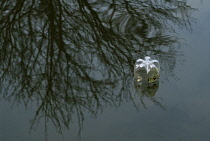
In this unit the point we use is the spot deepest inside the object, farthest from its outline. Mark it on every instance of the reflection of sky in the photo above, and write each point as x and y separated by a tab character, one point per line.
202	4
14	123
186	100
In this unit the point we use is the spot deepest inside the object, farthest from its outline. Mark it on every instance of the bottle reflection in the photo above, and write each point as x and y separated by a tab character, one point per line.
75	56
147	89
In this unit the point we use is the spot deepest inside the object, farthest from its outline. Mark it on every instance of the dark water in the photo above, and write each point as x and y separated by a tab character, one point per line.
66	70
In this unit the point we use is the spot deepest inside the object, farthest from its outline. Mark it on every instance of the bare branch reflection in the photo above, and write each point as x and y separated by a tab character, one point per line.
74	56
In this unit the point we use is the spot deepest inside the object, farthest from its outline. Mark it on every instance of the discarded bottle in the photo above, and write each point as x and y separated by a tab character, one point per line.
147	70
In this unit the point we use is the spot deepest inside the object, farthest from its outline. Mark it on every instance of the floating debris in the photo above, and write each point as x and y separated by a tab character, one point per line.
146	70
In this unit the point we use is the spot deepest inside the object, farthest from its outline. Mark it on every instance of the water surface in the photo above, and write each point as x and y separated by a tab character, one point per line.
66	70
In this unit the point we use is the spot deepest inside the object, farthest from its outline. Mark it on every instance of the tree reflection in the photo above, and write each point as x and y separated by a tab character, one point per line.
77	55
